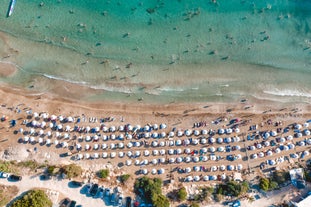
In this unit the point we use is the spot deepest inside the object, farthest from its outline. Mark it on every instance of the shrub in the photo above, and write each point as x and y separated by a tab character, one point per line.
33	198
72	170
182	194
273	185
104	173
124	178
194	205
50	170
264	184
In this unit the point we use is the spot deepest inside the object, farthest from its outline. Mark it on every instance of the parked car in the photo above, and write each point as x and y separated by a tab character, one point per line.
107	192
113	198
15	177
101	191
76	183
65	202
72	203
45	177
4	175
128	202
94	190
120	200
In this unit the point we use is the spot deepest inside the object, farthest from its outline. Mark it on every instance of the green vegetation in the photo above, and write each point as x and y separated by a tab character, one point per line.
204	194
30	164
104	173
280	177
150	189
233	188
264	184
33	198
194	205
5	166
182	194
72	170
7	193
124	178
219	197
50	170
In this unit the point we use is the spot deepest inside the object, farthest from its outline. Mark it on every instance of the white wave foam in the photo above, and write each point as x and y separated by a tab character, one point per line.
66	80
288	92
171	89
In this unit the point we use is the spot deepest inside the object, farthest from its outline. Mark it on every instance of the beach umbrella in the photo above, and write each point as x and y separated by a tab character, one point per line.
189	178
239	167
204	150
105	154
44	115
259	146
112	136
61	118
187	159
252	148
271	162
179	159
112	129
69	119
223	176
67	128
171	134
306	132
230	167
154	135
56	142
147	135
162	151
154	161
285	148
87	138
21	130
87	155
213	177
273	133
280	160
237	130
144	171
43	124
137	127
239	156
95	138
146	153
221	131
222	167
196	178
163	126
299	135
172	160
204	132
188	132
137	144
95	156
170	151
154	143
291	146
155	152
298	126
96	147
213	168
129	154
128	162
212	149
212	157
162	144
41	132
104	146
162	160
306	153
196	132
137	153
178	151
146	128
112	154
48	142
87	147
229	131
203	141
51	125
187	150
32	131
129	127
161	171
301	143
32	139
266	135
96	129
186	141
204	158
294	155
153	171
212	140
306	124
121	145
35	115
53	117
282	140
144	162
137	162
254	156
105	137
112	146
66	136
237	139
219	140
178	142
105	129
205	177
171	143
60	127
64	144
221	149
269	153
40	140
80	156
196	168
78	146
261	154
179	133
121	128
195	141
267	144
277	150
308	141
87	129
227	140
121	154
163	134
196	159
129	145
289	138
237	147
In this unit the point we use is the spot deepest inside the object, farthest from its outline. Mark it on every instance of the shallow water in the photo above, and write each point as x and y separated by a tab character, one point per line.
164	51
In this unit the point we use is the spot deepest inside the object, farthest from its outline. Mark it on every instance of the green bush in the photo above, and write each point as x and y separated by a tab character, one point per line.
182	194
273	185
233	188
124	178
72	170
31	164
33	198
194	205
104	173
264	184
50	170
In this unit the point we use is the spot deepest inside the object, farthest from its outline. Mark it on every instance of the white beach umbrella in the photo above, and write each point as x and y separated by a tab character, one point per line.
285	148
87	138
212	149
203	141
178	142
237	130
154	161
204	158
96	129
204	132
104	146
291	146
112	136
153	171
259	146
105	154
154	135
179	159
162	144
179	133
306	124
237	147
60	127
212	157
137	162
289	138
35	115
129	145
32	139
32	131
48	142
219	140
51	125
137	153
277	150
269	153
163	126
40	140
171	160
112	146
188	132
266	135
273	133
306	132
171	143
66	136
80	156
212	140
252	147
44	115
254	156
306	153
43	124
298	126
187	150
186	141
187	159
112	129
146	153
282	140
163	134
67	128
178	151
53	117
188	170
162	160
69	119
155	143
267	144
261	154
56	142
213	168
222	167
195	141
189	178
171	134
196	178
87	155
221	131
105	129
41	132
301	143
271	162
113	154
170	151
95	156
204	150
145	171
221	149
239	167
230	167
87	147
96	147
161	171
196	159
229	131
64	144
162	151
196	132
147	135
60	118
223	176
129	154
129	127
78	146
155	152
121	128
206	178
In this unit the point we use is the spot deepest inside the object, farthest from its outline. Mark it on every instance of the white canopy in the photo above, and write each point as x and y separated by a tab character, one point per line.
153	171
128	162
113	154
171	134
104	146
154	161
187	159
212	149
179	133
155	152
170	151
105	154
196	178
146	153
162	151
188	132
179	159
222	167
196	159
95	147
87	155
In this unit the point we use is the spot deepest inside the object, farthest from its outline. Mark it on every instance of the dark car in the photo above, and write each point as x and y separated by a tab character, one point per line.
94	189
45	177
72	203
128	201
15	177
76	183
65	202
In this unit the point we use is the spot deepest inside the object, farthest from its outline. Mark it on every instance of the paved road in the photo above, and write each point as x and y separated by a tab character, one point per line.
61	186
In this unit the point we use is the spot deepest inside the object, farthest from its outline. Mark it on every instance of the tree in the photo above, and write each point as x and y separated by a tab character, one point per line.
104	173
160	201
124	178
194	205
264	184
273	185
33	198
182	194
72	170
219	197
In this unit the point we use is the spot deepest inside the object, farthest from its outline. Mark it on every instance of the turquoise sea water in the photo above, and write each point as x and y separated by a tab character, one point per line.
173	50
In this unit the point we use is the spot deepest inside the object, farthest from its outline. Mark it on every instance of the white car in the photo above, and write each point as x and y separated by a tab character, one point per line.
4	175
